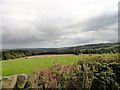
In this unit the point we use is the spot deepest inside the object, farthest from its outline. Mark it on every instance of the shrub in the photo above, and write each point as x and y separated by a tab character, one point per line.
81	76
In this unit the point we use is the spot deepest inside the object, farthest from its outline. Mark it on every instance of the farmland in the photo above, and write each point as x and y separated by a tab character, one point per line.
82	72
90	71
89	67
23	65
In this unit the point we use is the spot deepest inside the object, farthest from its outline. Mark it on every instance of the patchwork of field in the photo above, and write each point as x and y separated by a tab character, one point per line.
29	64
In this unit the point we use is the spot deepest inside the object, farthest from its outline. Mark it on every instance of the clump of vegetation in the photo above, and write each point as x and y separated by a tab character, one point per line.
13	54
98	73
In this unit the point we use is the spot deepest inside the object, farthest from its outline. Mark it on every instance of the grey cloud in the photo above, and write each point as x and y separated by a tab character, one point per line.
102	23
96	23
83	40
104	28
23	35
51	33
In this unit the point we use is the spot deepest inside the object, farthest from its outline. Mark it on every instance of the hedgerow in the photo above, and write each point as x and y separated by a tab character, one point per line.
98	73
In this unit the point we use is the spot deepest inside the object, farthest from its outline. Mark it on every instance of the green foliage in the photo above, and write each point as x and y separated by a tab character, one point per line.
86	74
13	54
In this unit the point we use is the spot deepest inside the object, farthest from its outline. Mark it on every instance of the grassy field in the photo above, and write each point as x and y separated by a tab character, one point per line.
22	65
11	67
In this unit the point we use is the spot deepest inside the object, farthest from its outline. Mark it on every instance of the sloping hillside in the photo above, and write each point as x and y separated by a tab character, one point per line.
84	49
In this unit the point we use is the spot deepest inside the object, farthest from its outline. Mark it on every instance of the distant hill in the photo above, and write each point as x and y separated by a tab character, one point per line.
102	47
98	46
83	49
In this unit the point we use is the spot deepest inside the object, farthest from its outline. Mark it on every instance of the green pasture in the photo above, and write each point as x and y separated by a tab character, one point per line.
22	65
11	67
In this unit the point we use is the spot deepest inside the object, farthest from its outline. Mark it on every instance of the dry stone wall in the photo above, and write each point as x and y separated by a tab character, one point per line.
15	81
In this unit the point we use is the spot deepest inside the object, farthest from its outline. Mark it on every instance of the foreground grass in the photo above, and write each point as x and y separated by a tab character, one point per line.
11	67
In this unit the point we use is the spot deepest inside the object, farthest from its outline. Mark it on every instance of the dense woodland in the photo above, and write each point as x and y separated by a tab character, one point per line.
85	49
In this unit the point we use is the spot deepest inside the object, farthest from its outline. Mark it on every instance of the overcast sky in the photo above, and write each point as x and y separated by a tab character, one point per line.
58	23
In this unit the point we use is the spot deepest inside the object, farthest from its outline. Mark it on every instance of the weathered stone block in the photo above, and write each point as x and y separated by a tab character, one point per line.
21	80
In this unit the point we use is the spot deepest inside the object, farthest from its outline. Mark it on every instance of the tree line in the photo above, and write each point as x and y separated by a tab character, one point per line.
13	54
